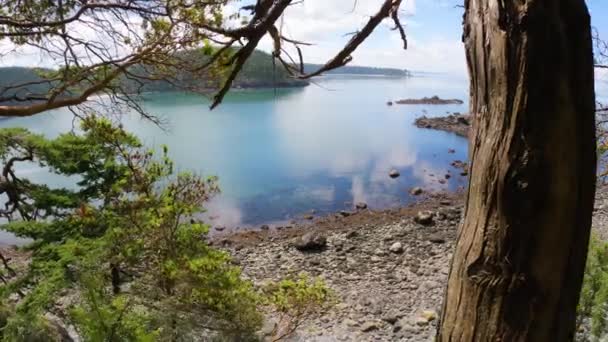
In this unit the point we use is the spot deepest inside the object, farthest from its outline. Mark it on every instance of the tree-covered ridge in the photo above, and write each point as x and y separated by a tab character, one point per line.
20	81
361	70
258	72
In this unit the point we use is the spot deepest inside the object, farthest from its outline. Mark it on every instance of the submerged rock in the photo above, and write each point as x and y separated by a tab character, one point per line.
416	191
361	205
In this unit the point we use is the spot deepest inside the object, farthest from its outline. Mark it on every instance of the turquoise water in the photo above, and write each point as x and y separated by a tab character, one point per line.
281	154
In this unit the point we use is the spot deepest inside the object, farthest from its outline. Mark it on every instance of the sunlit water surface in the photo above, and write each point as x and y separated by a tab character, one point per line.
281	154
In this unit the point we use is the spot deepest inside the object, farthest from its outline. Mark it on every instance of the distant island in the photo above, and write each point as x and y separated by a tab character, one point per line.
435	100
258	72
360	70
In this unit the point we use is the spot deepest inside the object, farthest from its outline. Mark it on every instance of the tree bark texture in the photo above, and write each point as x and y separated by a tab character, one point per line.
518	265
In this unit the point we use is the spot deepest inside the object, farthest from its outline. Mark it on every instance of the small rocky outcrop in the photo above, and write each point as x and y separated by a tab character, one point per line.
394	173
454	123
310	242
433	100
459	164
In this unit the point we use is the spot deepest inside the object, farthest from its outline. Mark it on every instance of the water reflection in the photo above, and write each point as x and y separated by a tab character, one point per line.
280	156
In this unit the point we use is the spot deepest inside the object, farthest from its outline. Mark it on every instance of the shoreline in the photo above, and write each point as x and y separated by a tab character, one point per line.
335	222
387	267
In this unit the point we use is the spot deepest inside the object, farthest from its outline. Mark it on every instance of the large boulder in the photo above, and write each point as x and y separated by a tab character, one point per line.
312	241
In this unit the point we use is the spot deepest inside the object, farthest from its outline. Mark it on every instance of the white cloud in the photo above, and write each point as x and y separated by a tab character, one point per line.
439	55
327	23
103	43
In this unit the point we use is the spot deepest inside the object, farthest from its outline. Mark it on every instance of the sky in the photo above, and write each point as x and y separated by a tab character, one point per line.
433	27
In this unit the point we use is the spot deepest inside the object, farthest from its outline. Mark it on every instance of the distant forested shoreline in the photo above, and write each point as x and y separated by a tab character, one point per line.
258	72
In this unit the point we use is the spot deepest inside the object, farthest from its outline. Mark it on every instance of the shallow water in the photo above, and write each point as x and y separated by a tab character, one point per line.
280	154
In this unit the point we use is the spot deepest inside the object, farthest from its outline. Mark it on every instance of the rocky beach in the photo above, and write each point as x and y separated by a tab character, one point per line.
388	268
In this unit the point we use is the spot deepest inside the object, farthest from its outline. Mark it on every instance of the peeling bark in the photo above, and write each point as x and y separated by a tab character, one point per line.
518	265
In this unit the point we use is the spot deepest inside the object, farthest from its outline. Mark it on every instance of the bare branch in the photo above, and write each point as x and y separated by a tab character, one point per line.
343	57
154	33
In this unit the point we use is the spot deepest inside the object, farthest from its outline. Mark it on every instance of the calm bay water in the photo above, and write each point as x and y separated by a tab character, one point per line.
281	154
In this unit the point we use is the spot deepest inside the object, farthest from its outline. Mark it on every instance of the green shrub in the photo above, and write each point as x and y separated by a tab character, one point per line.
31	328
126	246
593	302
104	317
129	214
295	299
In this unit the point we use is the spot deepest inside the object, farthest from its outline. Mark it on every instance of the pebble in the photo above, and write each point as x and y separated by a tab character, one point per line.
437	238
369	326
397	248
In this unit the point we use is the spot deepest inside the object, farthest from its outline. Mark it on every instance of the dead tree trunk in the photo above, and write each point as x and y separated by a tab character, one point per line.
518	264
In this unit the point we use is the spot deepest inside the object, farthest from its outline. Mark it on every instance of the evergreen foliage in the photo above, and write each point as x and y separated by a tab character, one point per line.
123	253
593	302
128	215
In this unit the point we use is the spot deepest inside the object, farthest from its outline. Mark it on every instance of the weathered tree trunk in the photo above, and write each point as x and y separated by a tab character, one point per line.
518	264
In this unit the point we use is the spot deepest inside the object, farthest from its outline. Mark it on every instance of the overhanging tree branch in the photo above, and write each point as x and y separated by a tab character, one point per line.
149	35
